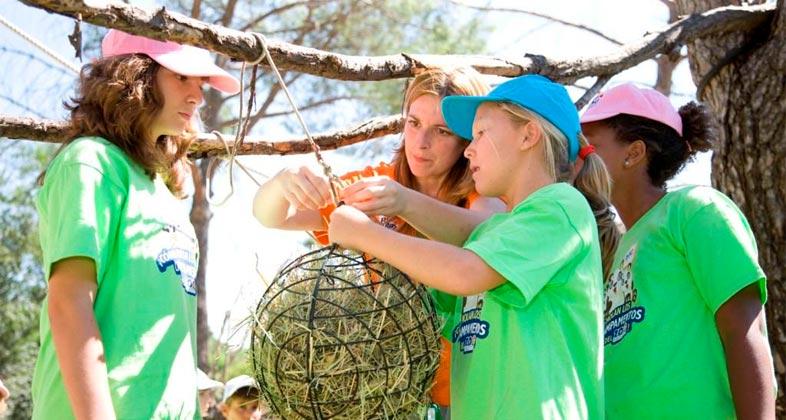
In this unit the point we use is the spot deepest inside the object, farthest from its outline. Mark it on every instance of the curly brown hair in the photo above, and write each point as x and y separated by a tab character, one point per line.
118	99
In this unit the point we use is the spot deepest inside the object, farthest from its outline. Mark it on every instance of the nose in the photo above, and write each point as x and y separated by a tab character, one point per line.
423	139
469	151
195	93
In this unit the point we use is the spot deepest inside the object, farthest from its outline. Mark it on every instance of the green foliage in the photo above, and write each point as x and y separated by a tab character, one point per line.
21	279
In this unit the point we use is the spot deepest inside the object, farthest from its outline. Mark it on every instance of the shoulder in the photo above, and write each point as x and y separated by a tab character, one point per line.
382	169
691	200
94	154
92	151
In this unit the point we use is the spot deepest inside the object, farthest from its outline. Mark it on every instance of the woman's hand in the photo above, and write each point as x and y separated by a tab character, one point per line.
304	189
377	196
349	226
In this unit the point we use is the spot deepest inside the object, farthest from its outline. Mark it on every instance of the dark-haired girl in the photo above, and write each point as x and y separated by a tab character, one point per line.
118	326
685	332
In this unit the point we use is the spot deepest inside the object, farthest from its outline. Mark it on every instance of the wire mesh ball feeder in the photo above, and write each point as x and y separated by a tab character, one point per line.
338	335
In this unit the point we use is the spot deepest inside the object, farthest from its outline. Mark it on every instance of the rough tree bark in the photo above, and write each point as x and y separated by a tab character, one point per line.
742	77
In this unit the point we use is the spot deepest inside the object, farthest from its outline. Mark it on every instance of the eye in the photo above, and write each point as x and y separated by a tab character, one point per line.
181	77
444	132
413	122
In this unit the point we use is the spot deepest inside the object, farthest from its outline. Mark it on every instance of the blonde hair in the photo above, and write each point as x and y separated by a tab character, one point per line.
458	183
592	180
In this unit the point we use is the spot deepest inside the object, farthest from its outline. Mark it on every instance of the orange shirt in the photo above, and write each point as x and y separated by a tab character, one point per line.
440	391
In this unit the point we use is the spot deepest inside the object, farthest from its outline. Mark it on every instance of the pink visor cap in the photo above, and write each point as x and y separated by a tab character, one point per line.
632	100
181	59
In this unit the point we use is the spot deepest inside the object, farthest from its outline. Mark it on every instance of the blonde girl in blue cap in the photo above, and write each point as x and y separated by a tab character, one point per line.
527	341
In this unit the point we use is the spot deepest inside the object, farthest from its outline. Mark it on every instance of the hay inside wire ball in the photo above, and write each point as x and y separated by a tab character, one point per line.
339	336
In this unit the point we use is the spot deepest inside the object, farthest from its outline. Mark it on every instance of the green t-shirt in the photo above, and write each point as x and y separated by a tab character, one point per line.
673	269
532	347
97	203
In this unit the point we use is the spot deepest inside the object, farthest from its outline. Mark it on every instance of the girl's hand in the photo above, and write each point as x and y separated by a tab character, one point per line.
348	227
304	189
377	196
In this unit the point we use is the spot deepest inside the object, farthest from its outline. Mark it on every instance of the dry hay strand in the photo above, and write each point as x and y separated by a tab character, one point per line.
339	336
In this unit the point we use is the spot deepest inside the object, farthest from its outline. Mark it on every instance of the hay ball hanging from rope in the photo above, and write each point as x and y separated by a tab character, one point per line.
339	336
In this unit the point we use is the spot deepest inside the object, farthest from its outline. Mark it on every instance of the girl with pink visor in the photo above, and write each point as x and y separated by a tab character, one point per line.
118	326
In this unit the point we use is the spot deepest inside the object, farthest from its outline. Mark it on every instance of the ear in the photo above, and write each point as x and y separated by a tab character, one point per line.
529	135
223	409
636	153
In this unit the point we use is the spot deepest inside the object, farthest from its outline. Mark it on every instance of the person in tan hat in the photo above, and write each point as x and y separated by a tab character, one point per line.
118	326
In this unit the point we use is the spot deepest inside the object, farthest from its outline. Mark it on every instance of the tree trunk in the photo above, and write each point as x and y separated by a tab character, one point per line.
741	77
200	218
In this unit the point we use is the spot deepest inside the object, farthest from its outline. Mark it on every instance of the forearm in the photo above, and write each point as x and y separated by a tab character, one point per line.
442	266
749	367
441	221
742	328
80	353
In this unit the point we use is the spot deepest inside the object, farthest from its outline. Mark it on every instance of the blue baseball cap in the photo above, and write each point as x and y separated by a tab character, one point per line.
533	92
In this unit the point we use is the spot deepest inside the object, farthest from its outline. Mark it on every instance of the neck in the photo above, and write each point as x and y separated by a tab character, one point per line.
528	181
635	199
429	186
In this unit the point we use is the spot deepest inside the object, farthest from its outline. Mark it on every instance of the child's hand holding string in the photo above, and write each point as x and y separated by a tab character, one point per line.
377	196
349	227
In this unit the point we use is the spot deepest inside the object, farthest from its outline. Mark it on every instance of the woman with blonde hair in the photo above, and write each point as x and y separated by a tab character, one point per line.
429	175
118	326
528	333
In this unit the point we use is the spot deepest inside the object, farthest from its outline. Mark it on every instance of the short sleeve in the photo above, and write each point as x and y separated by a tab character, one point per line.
79	209
528	249
721	252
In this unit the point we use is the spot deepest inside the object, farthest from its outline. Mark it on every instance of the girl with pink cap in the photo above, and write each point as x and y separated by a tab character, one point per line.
118	326
685	333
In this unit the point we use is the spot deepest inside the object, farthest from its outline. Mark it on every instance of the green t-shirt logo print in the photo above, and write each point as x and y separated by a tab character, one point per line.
620	297
471	327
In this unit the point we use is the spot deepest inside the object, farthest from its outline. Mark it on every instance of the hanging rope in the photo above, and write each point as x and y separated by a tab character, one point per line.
39	45
332	179
243	122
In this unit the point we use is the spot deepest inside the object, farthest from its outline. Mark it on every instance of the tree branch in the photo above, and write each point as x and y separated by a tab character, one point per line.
208	144
162	24
538	15
261	115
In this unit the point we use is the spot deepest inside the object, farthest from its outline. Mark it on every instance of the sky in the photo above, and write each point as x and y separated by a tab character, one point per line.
244	256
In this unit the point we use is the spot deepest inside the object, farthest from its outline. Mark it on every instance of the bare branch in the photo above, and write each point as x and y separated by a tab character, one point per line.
262	115
195	9
276	11
209	145
162	24
539	15
16	103
591	92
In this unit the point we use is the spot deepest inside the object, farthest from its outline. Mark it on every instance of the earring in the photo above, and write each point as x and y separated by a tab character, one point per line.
626	163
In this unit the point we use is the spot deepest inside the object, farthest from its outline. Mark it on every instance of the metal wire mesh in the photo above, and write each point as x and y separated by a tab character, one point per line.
337	335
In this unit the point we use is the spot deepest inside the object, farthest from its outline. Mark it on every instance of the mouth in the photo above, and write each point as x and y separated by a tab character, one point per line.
186	115
420	159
